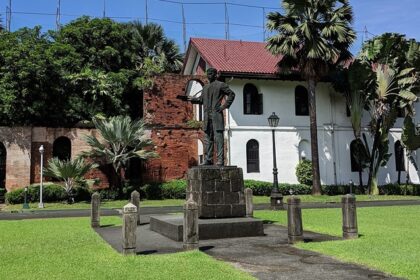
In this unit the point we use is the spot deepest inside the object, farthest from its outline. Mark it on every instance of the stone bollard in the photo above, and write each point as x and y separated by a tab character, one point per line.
294	220
129	229
248	203
135	199
190	225
349	217
95	211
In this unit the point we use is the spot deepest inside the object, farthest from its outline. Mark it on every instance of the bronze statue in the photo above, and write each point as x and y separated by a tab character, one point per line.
213	123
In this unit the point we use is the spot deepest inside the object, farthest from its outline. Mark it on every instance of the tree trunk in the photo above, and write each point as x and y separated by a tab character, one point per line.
361	179
316	182
373	171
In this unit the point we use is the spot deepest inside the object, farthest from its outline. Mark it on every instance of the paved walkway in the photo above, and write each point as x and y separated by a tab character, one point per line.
40	214
267	257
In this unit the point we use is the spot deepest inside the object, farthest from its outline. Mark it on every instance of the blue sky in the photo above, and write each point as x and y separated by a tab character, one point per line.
204	20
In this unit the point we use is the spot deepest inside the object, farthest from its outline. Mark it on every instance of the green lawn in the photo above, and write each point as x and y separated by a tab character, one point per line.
390	239
70	249
179	202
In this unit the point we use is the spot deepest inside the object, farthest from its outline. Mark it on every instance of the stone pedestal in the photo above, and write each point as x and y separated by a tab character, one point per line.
294	220
349	217
218	191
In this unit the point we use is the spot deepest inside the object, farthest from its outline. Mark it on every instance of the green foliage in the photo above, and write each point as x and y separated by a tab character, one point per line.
71	172
92	66
174	189
121	139
304	172
50	193
2	194
264	188
194	124
409	137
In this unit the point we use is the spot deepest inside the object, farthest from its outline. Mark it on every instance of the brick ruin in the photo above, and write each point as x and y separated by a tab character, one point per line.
166	116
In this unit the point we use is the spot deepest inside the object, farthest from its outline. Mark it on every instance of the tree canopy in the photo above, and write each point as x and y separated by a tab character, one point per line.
89	67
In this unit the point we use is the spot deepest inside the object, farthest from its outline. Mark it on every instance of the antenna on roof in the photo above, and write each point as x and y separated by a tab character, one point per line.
263	24
184	28
226	22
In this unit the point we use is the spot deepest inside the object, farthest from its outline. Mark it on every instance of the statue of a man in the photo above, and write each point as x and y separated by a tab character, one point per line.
212	97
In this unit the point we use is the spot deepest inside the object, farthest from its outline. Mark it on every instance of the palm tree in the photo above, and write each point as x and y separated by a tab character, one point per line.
354	81
154	44
121	139
393	90
72	172
312	37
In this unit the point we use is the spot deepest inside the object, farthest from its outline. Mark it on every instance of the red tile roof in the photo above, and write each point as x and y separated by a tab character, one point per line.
237	56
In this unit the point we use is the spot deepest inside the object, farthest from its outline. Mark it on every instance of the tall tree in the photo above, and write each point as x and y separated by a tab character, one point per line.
354	81
396	63
313	37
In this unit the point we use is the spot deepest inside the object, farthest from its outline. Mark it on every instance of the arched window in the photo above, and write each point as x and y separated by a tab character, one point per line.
301	101
253	104
252	156
304	150
399	157
3	155
194	89
62	148
200	151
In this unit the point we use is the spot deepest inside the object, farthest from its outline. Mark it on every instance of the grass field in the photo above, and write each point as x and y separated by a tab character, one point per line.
390	239
179	202
70	249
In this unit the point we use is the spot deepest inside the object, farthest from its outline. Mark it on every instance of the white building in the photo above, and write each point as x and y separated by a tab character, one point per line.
251	72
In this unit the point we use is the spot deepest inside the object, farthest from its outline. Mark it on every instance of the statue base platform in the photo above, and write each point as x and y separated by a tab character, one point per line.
218	191
171	226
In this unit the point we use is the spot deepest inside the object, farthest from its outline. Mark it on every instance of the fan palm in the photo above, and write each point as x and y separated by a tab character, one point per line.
312	36
71	172
121	139
154	44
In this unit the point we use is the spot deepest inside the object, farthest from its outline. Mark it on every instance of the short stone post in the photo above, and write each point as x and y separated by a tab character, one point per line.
349	217
95	210
129	229
190	225
294	220
248	203
135	199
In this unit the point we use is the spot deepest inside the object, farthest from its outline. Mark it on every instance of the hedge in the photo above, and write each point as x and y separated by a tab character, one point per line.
176	189
50	193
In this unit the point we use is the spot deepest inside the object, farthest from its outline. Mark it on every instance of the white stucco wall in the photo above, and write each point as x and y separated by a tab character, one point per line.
334	134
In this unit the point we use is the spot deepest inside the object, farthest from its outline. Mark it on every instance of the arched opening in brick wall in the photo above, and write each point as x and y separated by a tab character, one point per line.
3	156
194	89
62	148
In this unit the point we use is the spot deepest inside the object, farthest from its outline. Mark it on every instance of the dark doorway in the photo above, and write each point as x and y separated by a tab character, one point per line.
3	155
62	148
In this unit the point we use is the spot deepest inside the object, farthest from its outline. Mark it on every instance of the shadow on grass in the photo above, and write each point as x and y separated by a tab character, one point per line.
108	225
205	248
147	252
268	222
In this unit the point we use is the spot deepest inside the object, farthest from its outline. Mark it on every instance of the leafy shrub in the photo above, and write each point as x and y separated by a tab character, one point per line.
341	189
2	194
174	189
304	172
264	188
151	191
395	189
50	193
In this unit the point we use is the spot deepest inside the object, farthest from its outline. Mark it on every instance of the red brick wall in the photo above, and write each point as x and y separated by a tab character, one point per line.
174	140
